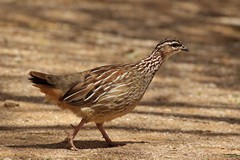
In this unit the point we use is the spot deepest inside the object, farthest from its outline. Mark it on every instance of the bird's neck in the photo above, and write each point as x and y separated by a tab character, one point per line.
151	64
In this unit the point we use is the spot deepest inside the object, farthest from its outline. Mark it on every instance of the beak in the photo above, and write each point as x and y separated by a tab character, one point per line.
184	48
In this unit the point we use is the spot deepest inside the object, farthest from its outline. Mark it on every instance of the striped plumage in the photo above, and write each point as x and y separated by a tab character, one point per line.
104	93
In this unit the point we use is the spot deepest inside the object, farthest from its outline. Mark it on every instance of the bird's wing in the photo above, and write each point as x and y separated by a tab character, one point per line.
96	83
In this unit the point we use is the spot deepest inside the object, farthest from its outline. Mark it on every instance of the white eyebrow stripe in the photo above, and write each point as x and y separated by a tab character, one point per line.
168	43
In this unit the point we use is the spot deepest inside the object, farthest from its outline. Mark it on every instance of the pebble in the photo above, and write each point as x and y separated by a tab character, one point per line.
10	104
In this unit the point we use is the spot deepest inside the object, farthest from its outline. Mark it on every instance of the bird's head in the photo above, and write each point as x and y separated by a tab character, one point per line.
169	47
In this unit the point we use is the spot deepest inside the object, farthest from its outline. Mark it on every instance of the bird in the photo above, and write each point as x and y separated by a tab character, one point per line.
104	93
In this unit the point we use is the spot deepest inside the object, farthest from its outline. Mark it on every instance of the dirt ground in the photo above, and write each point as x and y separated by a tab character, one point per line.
190	111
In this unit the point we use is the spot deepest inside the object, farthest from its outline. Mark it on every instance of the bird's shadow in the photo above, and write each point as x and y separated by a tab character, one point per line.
80	144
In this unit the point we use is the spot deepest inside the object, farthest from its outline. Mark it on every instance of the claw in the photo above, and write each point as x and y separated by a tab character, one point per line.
74	148
70	145
71	136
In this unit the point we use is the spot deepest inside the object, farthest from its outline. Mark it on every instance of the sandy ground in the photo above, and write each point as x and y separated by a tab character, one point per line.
190	111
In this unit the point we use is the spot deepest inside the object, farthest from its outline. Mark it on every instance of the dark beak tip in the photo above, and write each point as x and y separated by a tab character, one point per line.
185	49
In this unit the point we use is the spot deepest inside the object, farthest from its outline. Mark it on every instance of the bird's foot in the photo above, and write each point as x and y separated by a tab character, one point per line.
69	140
70	144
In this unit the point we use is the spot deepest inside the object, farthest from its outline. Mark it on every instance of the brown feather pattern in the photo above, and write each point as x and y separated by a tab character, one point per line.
104	93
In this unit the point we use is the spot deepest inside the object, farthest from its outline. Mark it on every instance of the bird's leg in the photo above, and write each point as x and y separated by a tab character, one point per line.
104	134
70	137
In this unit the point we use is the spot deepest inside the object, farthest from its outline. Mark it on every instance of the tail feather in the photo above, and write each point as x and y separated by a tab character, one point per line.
52	93
39	78
40	81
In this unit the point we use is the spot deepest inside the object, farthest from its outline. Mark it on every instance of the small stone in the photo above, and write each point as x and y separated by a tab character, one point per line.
10	104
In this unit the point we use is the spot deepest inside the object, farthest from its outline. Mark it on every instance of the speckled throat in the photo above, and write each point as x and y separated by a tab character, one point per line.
151	64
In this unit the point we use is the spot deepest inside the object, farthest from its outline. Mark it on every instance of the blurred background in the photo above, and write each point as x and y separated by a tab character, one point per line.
191	109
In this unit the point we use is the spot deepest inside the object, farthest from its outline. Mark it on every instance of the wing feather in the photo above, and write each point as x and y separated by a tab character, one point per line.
96	83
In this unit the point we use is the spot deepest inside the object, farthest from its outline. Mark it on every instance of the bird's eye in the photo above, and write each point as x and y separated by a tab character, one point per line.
175	45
